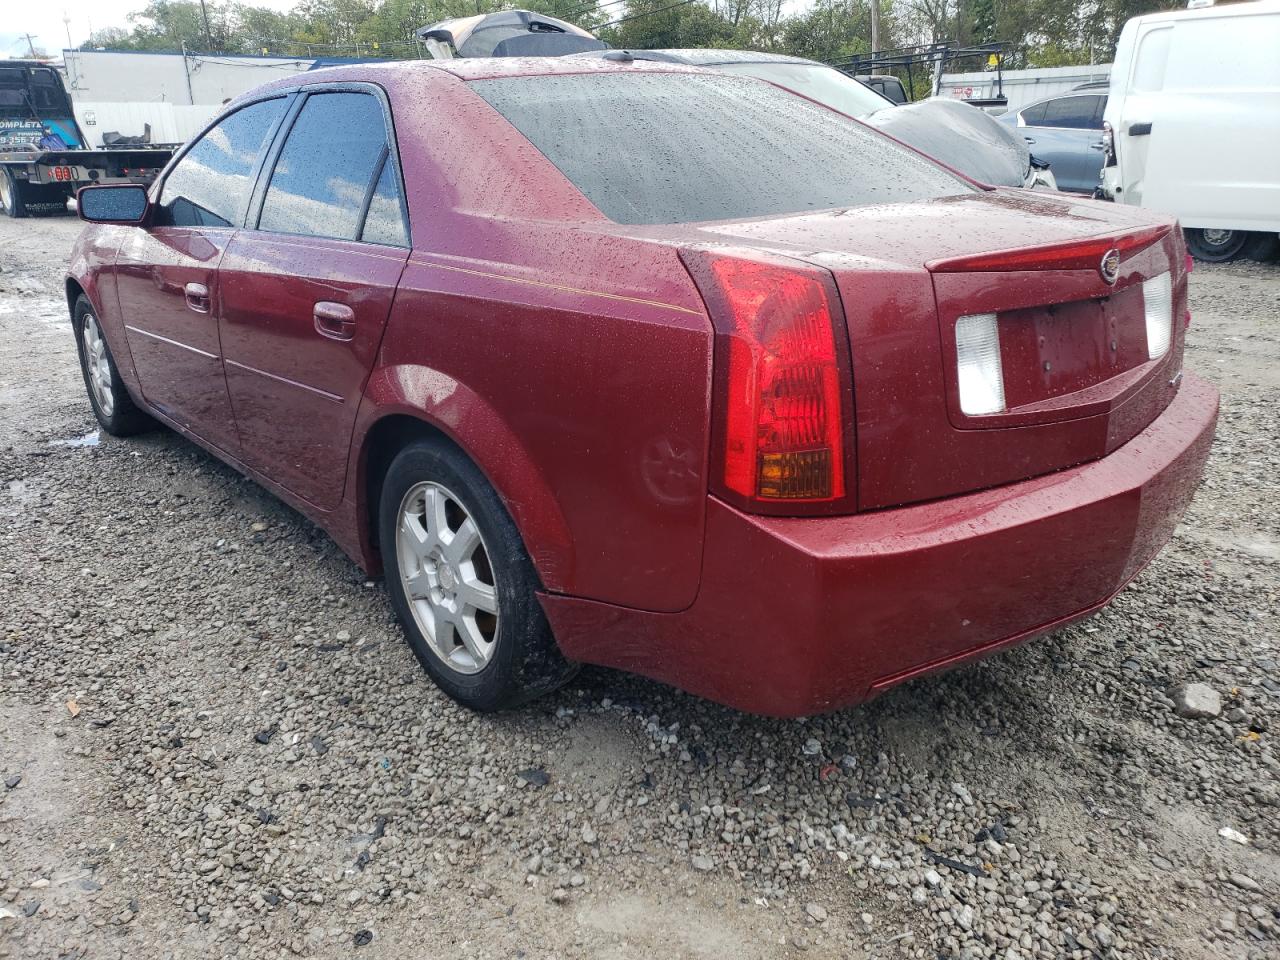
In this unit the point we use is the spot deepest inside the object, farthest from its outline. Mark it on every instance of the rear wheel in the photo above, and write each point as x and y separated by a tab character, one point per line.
12	198
1216	246
112	405
461	582
1263	247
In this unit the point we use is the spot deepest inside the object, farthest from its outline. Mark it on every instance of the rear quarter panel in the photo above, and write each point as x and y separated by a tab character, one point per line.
570	361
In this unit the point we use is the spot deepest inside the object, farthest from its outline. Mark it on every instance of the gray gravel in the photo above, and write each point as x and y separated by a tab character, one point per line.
215	743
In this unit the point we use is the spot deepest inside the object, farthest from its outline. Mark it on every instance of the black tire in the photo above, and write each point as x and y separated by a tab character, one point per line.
1215	246
1262	247
12	195
525	661
123	419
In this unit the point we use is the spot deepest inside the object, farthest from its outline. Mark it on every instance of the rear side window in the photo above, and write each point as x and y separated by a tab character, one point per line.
323	178
385	222
679	148
210	185
1073	113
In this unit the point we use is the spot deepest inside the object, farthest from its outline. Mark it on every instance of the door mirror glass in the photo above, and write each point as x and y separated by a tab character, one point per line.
116	203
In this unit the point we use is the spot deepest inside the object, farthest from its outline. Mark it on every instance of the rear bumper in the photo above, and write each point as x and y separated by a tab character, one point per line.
801	616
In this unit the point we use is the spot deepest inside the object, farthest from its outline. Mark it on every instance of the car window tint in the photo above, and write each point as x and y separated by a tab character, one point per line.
1033	114
210	185
1075	113
385	220
678	148
323	174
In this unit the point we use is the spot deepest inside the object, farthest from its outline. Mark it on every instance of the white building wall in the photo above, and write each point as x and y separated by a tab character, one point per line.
1021	86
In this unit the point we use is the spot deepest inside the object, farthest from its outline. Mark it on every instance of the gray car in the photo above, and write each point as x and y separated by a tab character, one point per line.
1066	131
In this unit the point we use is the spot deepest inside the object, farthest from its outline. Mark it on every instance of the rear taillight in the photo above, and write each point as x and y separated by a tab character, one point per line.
1157	304
1108	145
978	368
780	395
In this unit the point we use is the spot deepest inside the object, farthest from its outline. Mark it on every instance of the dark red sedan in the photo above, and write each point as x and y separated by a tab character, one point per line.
639	365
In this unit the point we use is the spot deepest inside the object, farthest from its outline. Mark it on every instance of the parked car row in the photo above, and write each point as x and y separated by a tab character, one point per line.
656	367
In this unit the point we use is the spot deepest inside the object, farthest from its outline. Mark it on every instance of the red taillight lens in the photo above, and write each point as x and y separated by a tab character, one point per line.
779	402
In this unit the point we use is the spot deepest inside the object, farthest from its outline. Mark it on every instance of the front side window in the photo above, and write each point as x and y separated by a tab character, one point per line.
210	185
681	148
322	180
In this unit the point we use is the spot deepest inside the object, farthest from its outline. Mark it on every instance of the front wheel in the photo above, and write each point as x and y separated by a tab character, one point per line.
461	582
1215	246
112	405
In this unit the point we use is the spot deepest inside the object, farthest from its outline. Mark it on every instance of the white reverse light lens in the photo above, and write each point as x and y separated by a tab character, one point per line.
978	364
1157	300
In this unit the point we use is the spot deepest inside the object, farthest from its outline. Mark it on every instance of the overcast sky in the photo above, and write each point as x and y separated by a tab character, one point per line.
44	20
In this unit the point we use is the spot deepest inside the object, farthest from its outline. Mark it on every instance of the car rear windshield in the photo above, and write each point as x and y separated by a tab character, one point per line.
682	148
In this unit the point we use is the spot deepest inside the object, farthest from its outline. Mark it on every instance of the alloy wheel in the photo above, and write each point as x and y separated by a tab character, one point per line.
447	578
98	365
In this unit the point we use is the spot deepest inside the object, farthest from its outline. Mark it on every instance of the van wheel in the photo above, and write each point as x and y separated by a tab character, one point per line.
461	581
1263	247
1215	246
11	195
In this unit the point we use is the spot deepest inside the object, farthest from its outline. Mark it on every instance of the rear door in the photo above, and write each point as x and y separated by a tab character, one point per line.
307	286
1067	133
167	273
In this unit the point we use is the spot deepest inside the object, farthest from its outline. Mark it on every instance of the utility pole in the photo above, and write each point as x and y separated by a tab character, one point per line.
67	22
208	37
31	46
875	28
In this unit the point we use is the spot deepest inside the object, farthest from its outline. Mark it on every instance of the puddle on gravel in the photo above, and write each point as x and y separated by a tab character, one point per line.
88	440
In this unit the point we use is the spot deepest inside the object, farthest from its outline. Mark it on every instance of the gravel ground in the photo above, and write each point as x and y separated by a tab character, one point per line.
214	742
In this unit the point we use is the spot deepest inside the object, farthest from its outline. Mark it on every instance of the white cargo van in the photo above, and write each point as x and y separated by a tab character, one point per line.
1192	124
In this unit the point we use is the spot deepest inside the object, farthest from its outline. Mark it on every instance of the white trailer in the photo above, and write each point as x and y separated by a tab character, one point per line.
1020	87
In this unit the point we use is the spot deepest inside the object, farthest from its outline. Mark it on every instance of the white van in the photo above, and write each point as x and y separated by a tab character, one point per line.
1192	124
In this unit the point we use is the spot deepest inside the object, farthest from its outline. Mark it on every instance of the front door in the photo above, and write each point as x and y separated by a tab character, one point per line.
305	295
167	274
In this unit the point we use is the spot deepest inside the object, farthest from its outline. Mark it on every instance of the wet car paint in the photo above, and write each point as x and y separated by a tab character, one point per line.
571	358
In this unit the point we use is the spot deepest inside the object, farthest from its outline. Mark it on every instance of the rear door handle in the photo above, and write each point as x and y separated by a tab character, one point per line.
1096	146
197	295
1139	129
336	321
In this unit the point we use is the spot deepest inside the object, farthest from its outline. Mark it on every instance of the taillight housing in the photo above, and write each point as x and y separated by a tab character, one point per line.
1108	145
783	392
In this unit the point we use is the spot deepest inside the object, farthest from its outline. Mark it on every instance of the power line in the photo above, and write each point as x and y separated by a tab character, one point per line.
647	13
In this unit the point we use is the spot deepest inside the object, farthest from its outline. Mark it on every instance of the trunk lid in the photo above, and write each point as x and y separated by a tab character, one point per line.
1078	377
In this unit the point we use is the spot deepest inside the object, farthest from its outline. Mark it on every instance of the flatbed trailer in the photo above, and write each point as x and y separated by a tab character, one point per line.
43	158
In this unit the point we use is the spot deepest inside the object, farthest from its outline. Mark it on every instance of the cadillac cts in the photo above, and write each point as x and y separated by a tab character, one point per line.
644	366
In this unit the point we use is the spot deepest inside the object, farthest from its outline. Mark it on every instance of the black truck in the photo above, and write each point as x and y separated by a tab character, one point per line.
44	158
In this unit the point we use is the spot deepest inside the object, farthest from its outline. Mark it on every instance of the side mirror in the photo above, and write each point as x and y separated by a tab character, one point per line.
124	203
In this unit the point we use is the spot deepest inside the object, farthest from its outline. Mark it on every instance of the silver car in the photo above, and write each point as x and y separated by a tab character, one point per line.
1066	131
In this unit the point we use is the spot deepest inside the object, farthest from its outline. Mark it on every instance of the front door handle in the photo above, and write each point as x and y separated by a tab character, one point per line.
336	321
197	295
1029	139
